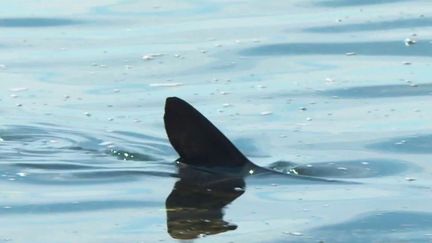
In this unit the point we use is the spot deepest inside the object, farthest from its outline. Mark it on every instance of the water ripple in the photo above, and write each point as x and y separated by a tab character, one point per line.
381	48
71	207
381	91
47	154
348	3
415	144
381	25
366	168
393	226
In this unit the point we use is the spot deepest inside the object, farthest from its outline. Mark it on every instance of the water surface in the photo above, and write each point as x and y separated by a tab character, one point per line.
328	89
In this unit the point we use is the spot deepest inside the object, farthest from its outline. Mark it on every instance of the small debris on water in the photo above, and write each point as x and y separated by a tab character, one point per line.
87	114
266	113
350	54
410	179
149	57
329	80
294	233
409	41
165	84
20	89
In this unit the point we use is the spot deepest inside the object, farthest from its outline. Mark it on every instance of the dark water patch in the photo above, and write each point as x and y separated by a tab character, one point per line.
350	3
381	91
383	48
366	168
37	22
72	207
373	26
416	144
398	226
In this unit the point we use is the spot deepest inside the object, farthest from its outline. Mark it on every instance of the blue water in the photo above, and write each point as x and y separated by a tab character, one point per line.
328	89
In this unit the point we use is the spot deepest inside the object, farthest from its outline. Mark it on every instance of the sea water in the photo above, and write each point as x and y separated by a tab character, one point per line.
339	88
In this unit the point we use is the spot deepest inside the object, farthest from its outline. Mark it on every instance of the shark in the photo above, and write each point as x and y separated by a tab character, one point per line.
202	146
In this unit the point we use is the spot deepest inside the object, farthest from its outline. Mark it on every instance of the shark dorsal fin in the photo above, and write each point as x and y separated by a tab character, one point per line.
196	139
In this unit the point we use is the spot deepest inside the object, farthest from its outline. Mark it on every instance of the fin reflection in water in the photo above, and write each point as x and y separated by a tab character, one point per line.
195	205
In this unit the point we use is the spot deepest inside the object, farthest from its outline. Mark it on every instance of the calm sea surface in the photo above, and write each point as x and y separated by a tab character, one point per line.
336	89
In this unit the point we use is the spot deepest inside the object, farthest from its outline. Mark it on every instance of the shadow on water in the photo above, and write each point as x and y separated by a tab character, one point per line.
383	48
397	226
348	3
381	91
371	26
421	144
195	206
36	22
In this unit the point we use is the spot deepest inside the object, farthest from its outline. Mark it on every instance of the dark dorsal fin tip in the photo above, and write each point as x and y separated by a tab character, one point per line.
196	139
